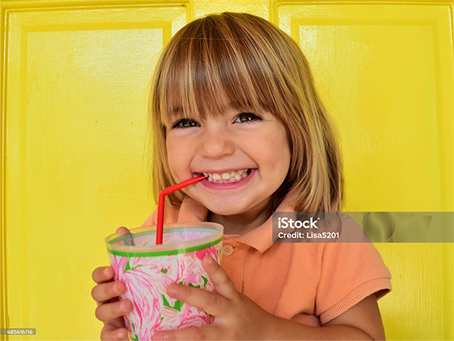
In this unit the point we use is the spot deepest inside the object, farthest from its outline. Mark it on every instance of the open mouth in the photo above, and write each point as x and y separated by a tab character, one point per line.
226	177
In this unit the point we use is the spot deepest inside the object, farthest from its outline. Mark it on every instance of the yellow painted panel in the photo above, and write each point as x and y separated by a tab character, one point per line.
256	7
75	162
385	74
420	305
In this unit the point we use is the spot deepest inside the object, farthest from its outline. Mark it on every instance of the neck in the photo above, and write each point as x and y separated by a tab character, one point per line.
244	222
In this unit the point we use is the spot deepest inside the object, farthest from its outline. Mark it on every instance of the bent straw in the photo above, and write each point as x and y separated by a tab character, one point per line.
161	201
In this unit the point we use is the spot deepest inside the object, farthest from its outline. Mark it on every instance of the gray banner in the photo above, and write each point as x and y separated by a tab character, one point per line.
360	227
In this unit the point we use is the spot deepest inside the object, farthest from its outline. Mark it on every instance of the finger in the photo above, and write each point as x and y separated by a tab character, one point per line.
103	274
192	211
209	332
122	231
111	332
109	311
211	303
224	285
106	291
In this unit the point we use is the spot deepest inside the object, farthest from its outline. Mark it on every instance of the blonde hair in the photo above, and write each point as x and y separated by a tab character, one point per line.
256	66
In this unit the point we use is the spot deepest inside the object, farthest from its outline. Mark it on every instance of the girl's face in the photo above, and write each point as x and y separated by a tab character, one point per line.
246	156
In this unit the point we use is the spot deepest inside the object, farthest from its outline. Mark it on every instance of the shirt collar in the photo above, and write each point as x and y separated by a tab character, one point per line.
261	238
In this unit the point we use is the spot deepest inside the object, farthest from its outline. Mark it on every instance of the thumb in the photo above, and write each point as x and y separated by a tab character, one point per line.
122	231
191	211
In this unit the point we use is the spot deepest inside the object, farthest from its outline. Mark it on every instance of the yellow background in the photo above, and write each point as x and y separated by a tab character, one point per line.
75	82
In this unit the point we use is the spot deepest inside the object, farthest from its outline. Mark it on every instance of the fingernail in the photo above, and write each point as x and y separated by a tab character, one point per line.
173	289
209	259
116	288
106	272
123	306
120	335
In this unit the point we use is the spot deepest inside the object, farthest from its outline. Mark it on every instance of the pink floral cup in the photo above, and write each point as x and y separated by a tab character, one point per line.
147	269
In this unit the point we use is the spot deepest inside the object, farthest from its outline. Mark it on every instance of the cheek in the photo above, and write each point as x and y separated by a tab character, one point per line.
179	159
282	153
173	157
280	146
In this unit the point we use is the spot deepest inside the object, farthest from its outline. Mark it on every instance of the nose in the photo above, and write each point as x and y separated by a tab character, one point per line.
217	143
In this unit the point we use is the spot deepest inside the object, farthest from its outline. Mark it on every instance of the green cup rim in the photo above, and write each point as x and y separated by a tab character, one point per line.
165	249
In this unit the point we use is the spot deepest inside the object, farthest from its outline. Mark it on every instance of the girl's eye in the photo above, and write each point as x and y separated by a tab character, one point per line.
185	123
246	117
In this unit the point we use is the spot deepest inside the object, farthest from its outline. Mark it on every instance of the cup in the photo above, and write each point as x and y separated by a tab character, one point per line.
147	269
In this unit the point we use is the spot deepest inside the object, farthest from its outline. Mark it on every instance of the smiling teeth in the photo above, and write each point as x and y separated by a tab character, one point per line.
230	177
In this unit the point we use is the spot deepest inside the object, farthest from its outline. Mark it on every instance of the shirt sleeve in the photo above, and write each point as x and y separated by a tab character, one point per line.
350	272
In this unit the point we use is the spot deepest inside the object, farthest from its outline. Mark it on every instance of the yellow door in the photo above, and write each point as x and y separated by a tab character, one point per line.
75	81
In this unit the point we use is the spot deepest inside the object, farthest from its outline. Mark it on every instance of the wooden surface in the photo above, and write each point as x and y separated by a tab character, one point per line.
75	83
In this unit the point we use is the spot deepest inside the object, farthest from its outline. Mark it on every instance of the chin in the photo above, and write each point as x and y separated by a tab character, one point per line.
224	211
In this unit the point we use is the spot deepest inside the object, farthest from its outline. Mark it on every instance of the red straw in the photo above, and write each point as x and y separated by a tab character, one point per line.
161	201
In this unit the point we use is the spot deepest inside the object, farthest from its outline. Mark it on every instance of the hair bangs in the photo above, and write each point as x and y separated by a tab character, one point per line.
211	69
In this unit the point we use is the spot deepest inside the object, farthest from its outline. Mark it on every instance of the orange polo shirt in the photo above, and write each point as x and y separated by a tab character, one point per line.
311	283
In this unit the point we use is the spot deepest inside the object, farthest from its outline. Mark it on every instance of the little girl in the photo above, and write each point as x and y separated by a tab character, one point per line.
233	98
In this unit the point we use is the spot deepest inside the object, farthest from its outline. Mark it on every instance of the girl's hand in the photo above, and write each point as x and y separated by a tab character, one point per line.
110	309
236	316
